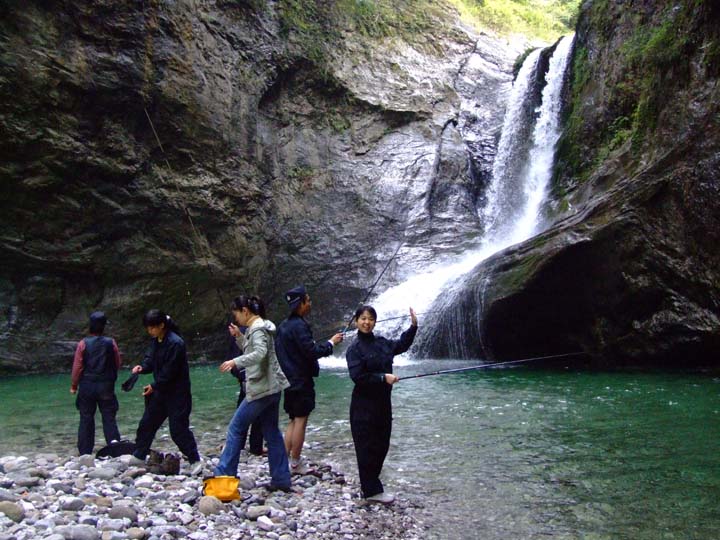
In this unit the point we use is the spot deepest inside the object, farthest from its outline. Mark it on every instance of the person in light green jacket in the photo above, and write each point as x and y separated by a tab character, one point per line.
265	382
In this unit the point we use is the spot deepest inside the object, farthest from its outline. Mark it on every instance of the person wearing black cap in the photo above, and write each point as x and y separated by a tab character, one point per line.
298	354
94	372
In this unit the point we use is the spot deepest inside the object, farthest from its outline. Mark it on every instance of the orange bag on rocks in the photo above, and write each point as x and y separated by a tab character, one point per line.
225	488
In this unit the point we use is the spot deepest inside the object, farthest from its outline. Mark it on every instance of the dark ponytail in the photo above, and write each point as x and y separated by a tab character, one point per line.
253	303
155	317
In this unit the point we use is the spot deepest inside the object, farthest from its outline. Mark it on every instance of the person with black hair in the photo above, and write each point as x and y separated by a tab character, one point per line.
370	360
94	372
168	396
298	354
265	382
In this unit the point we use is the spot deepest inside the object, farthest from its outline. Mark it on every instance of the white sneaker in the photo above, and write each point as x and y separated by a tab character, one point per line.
385	498
196	468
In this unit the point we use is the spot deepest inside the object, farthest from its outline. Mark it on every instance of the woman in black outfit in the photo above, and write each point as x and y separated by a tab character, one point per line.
370	360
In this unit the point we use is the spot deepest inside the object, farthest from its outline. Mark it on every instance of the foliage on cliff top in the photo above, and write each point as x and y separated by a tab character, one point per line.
645	58
545	20
318	25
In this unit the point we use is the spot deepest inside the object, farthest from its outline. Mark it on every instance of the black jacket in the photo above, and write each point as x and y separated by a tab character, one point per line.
167	361
370	357
298	352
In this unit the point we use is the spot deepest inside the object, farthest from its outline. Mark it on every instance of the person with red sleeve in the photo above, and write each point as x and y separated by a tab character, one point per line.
94	372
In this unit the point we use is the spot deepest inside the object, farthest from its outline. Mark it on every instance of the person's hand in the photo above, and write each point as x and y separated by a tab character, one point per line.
234	330
337	338
73	390
391	379
227	366
137	369
413	317
147	390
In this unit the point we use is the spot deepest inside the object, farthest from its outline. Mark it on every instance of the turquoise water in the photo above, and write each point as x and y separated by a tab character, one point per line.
503	454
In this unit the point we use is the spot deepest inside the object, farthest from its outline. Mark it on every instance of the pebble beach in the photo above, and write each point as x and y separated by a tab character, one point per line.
54	497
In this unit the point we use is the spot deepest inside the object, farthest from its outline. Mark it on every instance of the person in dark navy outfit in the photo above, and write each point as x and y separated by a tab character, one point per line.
94	372
298	354
168	396
370	360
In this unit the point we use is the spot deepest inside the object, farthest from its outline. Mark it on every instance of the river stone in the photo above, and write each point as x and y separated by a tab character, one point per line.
254	512
25	480
247	481
79	532
104	502
54	537
113	524
122	511
145	481
86	460
71	504
12	510
13	463
7	495
136	533
102	474
38	472
265	523
209	505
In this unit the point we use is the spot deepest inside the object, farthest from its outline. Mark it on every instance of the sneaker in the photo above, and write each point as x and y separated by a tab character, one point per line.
385	498
136	461
196	467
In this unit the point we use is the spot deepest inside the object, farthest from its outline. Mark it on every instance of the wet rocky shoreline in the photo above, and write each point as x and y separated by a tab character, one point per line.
50	497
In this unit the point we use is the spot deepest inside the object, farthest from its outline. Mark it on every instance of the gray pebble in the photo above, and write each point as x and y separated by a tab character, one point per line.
13	511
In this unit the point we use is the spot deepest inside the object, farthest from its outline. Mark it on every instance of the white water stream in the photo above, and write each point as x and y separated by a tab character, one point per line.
512	211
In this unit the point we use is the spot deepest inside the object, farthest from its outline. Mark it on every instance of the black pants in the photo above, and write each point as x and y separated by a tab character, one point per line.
256	435
176	408
371	426
92	395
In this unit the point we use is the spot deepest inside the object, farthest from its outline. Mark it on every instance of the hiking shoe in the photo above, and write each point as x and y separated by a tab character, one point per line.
196	467
385	498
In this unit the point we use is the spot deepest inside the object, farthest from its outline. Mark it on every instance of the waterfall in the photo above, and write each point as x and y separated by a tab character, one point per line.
521	173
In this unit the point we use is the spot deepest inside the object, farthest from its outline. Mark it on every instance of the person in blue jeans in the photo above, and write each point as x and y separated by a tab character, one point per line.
255	431
265	382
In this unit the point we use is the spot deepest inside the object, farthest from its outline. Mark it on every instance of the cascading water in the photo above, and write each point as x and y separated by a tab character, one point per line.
521	173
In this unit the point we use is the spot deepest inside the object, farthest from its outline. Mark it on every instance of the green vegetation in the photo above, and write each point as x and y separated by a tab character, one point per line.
647	68
317	27
545	20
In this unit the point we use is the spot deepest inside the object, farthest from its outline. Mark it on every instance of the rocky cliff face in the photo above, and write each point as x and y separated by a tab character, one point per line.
277	166
629	272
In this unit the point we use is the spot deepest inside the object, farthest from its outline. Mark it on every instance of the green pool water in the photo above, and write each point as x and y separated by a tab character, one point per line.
502	454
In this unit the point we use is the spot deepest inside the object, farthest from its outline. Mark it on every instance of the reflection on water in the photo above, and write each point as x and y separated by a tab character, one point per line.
502	454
